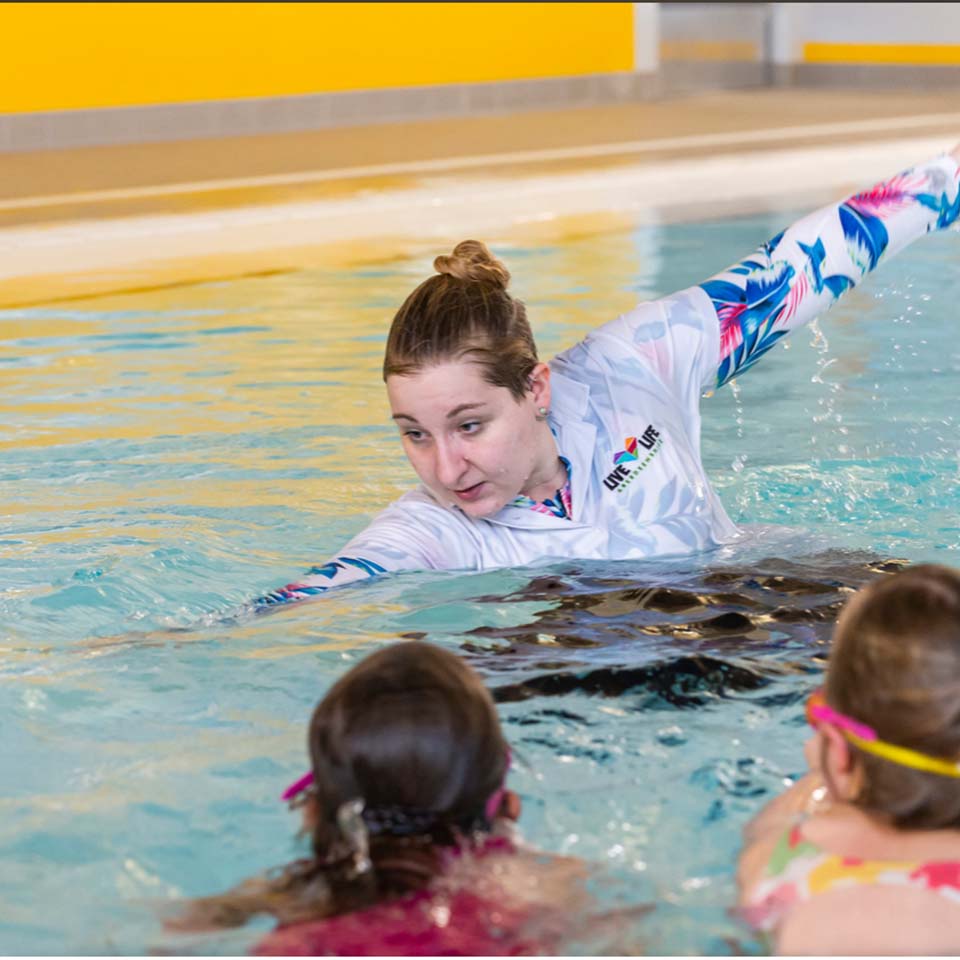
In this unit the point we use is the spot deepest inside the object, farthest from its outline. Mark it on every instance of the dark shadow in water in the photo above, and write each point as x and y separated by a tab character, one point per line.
685	638
684	682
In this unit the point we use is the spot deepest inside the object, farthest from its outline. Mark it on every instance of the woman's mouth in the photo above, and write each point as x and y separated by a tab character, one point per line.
468	494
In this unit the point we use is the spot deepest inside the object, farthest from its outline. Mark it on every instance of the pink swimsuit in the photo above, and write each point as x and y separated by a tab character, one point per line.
429	922
424	924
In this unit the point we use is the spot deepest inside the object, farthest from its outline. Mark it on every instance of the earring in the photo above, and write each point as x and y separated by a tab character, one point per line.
542	413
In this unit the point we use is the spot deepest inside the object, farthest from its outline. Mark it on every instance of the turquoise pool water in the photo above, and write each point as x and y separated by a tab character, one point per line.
166	456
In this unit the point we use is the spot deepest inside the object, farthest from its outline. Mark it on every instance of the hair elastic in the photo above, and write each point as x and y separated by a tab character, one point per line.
490	809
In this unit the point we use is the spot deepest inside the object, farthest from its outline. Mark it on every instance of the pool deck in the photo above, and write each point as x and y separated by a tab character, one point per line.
98	220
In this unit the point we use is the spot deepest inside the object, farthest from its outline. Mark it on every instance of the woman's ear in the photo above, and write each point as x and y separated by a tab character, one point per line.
838	764
539	385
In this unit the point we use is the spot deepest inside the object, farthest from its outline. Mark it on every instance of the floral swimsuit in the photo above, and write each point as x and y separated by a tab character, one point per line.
560	506
799	870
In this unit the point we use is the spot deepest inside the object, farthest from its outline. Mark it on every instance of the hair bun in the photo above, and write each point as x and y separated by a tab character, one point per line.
471	260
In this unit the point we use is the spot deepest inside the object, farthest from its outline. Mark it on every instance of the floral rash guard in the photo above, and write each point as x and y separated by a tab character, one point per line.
799	870
626	403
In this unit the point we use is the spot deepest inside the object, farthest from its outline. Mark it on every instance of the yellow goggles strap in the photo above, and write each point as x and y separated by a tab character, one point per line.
905	756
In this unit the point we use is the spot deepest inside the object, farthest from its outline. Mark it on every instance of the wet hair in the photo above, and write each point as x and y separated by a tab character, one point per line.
895	665
464	313
413	733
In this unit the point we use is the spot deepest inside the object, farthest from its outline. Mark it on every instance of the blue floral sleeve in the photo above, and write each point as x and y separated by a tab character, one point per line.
802	271
336	573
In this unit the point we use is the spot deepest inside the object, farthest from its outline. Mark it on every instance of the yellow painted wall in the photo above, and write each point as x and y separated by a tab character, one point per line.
62	56
901	54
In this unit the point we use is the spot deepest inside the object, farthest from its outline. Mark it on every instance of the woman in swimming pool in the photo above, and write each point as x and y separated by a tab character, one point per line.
410	820
862	855
596	454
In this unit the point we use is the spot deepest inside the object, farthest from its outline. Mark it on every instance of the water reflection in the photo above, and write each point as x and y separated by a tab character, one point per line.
723	630
166	456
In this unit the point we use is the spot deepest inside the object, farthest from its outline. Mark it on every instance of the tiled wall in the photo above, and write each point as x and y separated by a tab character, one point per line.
869	45
894	45
704	46
219	118
84	73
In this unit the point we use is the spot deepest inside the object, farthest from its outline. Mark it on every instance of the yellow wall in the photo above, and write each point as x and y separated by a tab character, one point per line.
902	54
62	56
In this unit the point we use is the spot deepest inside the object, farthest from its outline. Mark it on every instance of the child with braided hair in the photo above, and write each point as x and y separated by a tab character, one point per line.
413	851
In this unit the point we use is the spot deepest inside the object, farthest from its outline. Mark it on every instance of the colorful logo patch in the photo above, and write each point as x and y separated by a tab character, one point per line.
627	463
625	456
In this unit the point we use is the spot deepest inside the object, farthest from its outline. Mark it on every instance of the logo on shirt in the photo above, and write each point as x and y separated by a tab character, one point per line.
628	462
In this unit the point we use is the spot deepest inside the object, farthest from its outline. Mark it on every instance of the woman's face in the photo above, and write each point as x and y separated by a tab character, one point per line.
473	444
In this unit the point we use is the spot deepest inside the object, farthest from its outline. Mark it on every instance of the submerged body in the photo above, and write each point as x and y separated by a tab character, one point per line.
862	855
497	901
624	409
414	848
840	881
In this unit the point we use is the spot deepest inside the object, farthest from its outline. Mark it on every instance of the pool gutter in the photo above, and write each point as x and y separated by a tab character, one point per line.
362	214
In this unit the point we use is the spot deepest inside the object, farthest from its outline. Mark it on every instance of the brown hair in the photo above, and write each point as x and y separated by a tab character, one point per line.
895	665
413	733
464	312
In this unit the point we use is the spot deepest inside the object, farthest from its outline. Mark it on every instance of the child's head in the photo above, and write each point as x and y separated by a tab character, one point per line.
407	758
412	733
895	668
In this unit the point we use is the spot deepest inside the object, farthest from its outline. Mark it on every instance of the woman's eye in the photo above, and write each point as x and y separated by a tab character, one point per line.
415	435
472	427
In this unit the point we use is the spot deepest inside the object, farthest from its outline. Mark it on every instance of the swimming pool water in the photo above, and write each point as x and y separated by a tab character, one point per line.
166	456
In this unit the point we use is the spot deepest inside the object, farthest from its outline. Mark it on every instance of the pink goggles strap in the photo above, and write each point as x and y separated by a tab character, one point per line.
490	810
298	786
820	711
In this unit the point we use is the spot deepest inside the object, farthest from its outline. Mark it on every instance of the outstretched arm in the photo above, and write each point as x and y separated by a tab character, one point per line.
801	272
335	573
413	533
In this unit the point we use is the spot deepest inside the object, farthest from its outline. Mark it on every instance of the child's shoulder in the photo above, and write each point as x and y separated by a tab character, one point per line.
843	871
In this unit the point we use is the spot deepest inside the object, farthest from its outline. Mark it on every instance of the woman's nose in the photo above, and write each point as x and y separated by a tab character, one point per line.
448	465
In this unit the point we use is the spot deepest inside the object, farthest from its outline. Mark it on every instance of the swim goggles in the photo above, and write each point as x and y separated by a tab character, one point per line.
296	794
864	737
298	791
